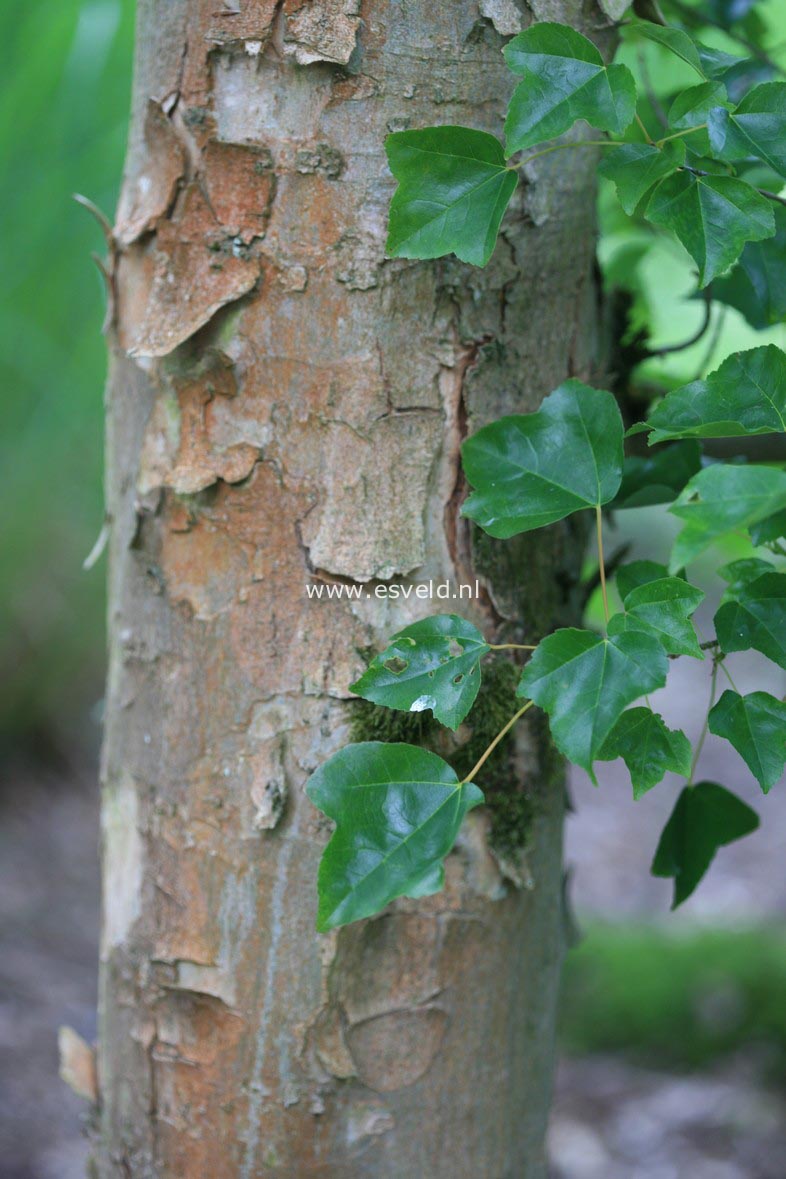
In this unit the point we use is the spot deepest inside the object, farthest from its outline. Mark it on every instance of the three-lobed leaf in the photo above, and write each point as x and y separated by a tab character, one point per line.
635	168
755	618
746	395
564	78
756	726
676	40
721	499
737	574
658	477
754	128
398	810
705	818
713	217
662	607
649	749
434	663
529	470
453	189
584	682
756	287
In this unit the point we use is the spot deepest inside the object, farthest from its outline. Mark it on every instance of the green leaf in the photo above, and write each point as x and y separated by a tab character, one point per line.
740	573
659	477
756	726
564	79
755	128
720	499
765	531
717	64
676	40
635	167
584	682
434	663
756	618
746	395
662	608
397	810
529	470
648	748
757	285
713	217
454	187
692	106
629	577
706	818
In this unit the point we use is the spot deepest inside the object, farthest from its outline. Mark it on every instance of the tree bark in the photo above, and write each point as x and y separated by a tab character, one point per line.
285	409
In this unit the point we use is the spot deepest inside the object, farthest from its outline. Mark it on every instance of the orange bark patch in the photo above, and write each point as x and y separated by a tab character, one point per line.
190	271
149	193
240	185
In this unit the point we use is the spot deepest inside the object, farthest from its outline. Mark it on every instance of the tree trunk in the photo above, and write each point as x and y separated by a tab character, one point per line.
285	409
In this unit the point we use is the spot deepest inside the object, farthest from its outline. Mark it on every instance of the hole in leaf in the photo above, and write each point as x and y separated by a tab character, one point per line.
432	673
458	678
396	664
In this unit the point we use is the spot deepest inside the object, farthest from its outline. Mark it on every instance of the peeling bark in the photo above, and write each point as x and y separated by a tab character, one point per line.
286	405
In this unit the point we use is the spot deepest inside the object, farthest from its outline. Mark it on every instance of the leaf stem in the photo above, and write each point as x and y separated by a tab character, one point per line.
697	335
601	562
680	134
562	147
703	735
511	647
727	673
502	733
644	130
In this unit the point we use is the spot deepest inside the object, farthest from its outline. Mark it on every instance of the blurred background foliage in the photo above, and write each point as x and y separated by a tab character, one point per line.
63	116
679	996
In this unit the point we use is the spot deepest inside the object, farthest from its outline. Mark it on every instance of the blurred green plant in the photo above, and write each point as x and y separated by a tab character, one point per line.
677	998
63	117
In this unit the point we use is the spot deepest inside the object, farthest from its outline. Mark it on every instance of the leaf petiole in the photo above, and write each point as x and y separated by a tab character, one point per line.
562	147
705	729
601	562
502	733
680	134
511	647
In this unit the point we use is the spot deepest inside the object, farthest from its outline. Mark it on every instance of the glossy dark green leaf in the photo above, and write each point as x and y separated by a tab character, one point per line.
584	682
636	573
454	187
756	286
662	608
658	477
434	663
756	726
705	818
649	749
719	65
635	167
676	40
397	810
713	217
756	618
746	395
742	572
564	78
720	499
692	106
529	470
691	110
770	529
754	128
